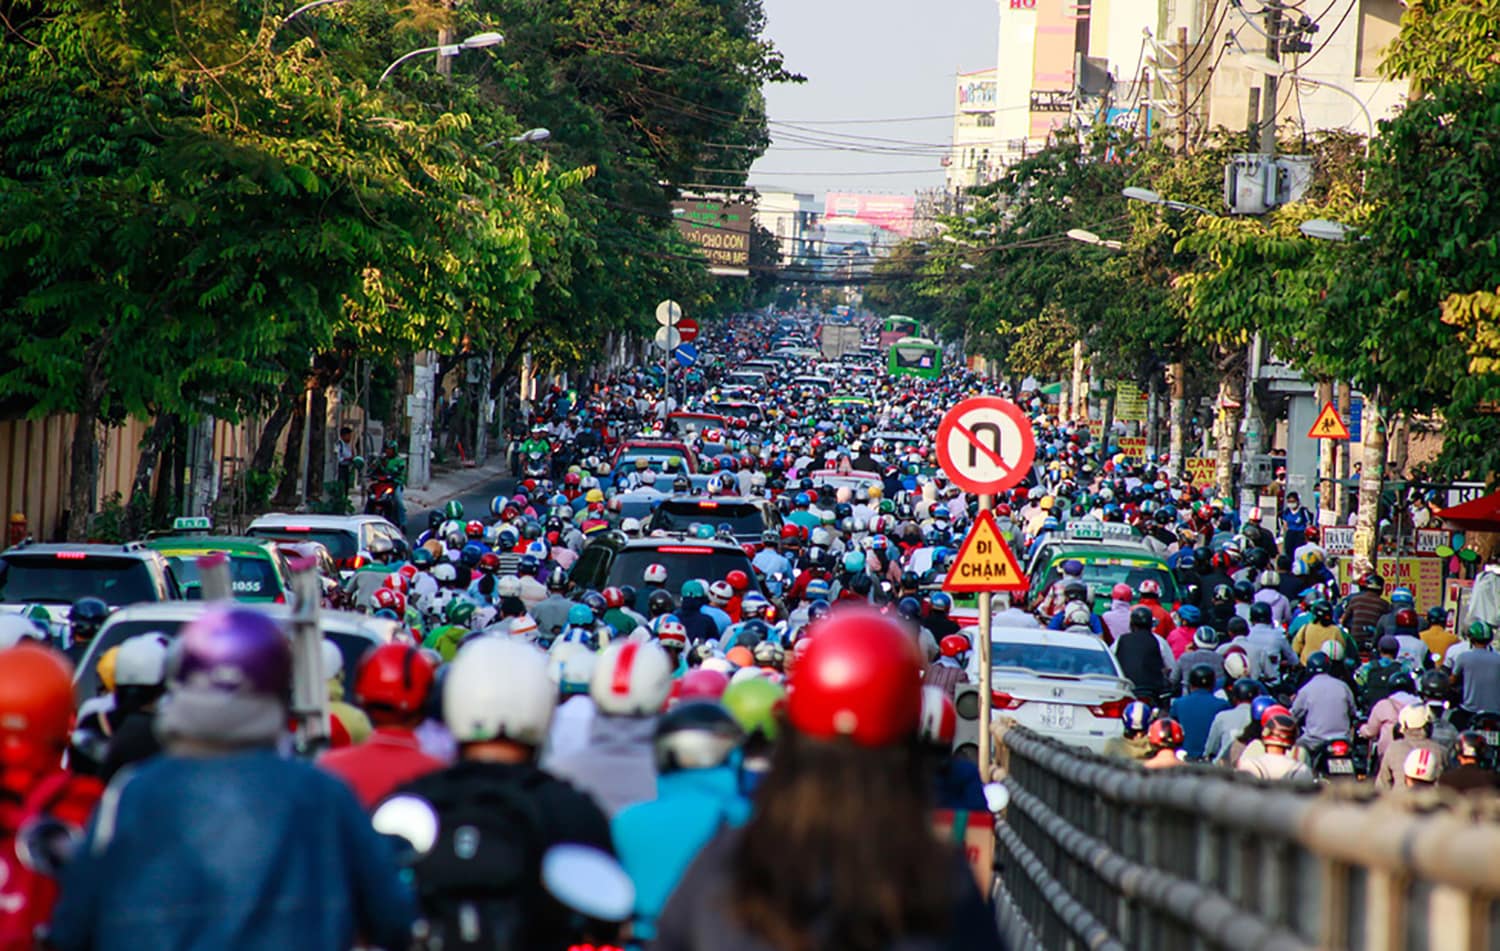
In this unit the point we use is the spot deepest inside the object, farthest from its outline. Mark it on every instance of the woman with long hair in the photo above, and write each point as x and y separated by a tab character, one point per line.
840	853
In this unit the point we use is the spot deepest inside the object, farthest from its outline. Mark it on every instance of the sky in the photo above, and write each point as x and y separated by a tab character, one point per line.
868	60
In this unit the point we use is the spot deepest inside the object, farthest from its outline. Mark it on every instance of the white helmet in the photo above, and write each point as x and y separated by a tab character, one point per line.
631	680
1422	765
630	526
1235	666
498	689
1334	649
720	592
655	574
523	627
572	666
333	660
444	573
142	661
746	673
509	586
14	628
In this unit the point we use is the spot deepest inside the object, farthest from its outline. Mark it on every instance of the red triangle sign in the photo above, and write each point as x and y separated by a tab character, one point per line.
1328	425
985	562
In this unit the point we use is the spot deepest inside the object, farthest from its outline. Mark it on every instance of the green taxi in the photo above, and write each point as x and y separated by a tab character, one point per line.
257	569
1110	553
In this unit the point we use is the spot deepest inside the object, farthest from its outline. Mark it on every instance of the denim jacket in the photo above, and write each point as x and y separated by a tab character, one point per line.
239	852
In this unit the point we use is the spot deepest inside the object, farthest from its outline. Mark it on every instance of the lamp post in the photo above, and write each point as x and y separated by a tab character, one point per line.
304	8
1325	230
475	42
1267	66
530	135
1088	237
1152	198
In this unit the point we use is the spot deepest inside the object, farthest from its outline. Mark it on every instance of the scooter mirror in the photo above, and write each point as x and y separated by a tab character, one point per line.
588	881
410	822
45	845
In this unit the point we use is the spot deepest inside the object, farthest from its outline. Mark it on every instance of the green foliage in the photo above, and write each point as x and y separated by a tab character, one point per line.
1445	42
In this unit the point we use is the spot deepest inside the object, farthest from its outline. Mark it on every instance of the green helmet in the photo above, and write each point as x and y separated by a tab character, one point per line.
887	507
754	704
1481	633
693	588
459	611
421	557
453	510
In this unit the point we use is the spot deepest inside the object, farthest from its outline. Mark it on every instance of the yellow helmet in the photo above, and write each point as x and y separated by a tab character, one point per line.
594	495
106	668
1046	503
877	490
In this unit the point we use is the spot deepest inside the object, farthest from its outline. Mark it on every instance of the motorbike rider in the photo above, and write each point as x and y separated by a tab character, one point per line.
391	687
495	812
392	466
1476	675
1324	705
1375	678
1414	732
1131	744
1278	736
1470	774
1164	738
296	862
1144	656
1231	722
1202	653
1385	713
85	618
1196	710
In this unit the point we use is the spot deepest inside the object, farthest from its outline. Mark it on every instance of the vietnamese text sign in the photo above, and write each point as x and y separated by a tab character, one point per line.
720	229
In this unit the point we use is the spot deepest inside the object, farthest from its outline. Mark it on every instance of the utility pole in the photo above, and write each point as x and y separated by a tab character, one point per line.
1182	90
1267	133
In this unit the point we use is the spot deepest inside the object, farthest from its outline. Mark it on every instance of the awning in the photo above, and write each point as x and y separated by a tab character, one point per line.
1480	515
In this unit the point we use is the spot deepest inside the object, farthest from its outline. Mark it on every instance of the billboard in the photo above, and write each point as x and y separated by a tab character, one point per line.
893	213
720	229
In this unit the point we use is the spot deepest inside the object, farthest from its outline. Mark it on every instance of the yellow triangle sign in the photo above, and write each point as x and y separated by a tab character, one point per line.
985	562
1328	425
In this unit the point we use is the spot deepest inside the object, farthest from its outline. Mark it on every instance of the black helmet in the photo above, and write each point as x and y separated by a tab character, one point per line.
1471	745
909	608
860	584
1260	613
1076	591
1437	615
1244	591
1247	689
1317	663
87	616
1238	626
698	734
1141	619
660	603
909	579
1322	610
1202	676
1402	680
1434	685
1222	594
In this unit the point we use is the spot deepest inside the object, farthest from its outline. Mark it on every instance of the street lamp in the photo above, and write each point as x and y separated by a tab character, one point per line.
304	8
1325	230
476	42
1267	66
530	135
1088	237
1151	197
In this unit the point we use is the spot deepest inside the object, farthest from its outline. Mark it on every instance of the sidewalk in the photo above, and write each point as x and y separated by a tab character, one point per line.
454	482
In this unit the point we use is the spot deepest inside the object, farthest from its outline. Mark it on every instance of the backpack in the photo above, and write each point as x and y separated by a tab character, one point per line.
477	884
1378	681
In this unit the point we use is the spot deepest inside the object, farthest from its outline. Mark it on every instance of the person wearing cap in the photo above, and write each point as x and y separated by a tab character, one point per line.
1056	596
1374	677
1413	732
849	764
1365	608
220	841
1278	736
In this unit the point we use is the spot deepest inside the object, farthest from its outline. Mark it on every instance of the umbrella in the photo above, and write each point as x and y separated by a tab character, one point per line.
1481	514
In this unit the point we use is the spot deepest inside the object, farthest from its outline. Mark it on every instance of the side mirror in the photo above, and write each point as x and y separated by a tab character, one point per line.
411	825
45	845
588	881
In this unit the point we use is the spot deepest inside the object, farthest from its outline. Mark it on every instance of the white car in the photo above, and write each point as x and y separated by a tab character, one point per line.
353	633
1061	684
345	536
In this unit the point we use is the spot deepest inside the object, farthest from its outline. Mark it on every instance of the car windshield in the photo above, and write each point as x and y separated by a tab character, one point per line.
657	456
679	516
1101	576
681	561
250	577
67	576
340	544
1052	659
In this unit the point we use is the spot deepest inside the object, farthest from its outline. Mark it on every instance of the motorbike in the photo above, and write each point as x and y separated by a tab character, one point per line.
1339	759
380	497
537	466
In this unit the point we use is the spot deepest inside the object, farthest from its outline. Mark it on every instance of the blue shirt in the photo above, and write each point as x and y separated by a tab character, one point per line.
1295	520
239	852
656	841
1196	711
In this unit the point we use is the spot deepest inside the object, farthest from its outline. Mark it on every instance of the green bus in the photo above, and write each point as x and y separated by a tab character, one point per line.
915	356
896	327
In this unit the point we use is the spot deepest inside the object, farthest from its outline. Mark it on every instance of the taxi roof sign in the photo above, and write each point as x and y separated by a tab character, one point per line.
192	523
985	562
1091	528
1328	425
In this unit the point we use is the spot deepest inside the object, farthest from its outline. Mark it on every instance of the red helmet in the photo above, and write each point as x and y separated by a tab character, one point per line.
860	679
36	713
613	597
1151	588
1121	592
939	717
390	598
1406	620
407	571
1002	510
1164	734
474	529
394	678
789	532
1018	496
699	684
395	581
738	580
1274	710
489	562
954	645
572	479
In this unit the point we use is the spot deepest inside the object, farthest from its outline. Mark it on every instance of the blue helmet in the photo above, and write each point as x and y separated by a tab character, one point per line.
1137	716
580	615
1190	614
471	554
1260	705
941	602
1403	596
909	608
817	609
528	565
802	500
817	590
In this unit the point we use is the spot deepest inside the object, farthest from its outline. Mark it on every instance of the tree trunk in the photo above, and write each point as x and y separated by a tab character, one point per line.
138	506
1231	368
1177	423
167	483
270	434
291	470
317	450
1342	470
1371	478
83	466
1328	490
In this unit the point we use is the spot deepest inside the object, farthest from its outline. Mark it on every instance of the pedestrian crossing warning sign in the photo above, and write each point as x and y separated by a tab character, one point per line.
1329	425
985	562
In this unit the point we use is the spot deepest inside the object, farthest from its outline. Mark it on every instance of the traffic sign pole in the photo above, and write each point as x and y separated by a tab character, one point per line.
986	504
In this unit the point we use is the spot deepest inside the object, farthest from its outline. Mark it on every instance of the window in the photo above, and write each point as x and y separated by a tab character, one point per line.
1379	22
986	119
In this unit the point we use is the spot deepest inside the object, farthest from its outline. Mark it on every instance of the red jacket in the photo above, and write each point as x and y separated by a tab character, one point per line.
388	760
26	898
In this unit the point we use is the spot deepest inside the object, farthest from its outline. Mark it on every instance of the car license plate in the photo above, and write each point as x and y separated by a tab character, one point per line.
1057	716
1340	767
1492	737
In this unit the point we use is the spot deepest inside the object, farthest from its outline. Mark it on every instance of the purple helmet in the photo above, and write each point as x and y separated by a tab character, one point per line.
234	650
